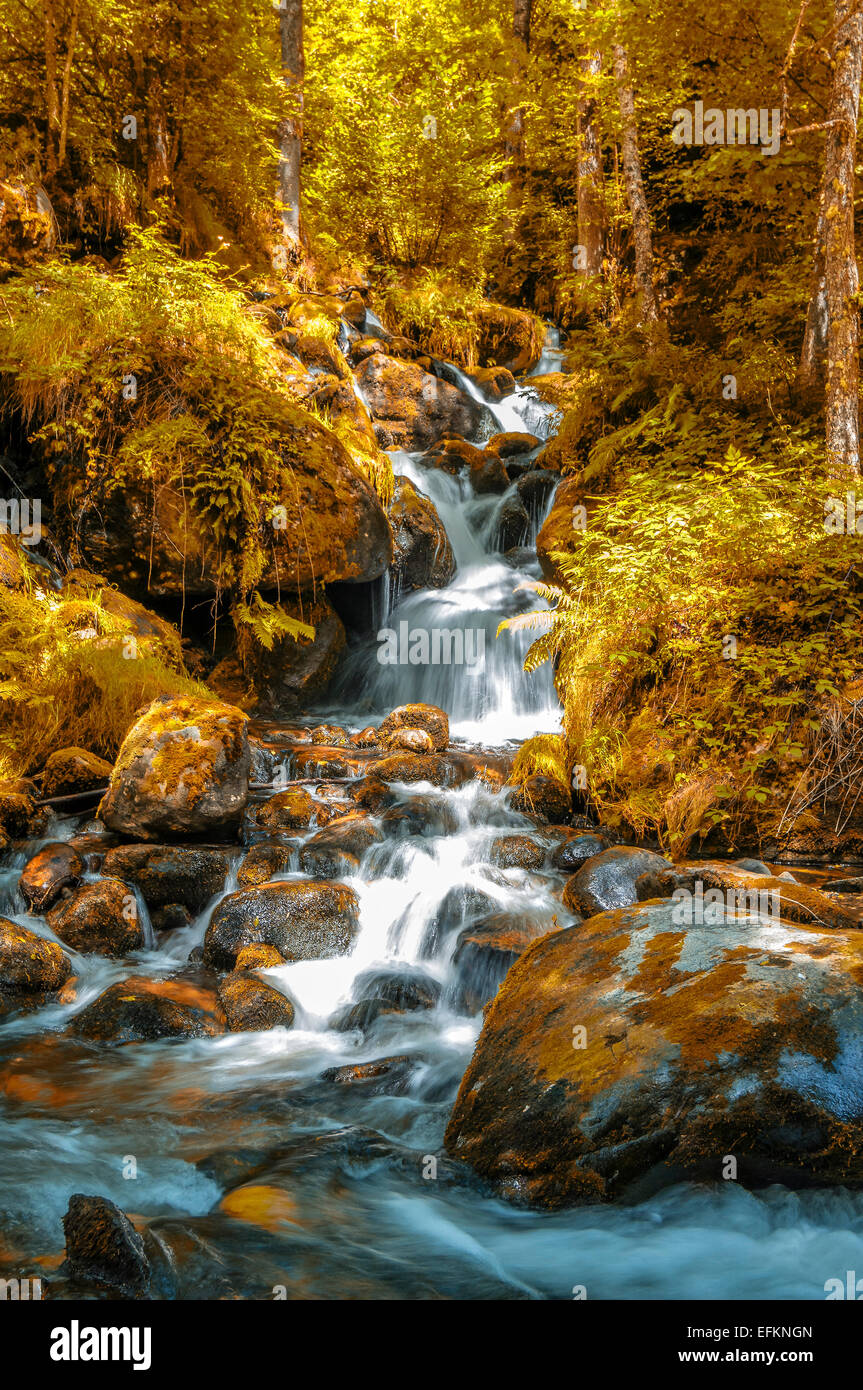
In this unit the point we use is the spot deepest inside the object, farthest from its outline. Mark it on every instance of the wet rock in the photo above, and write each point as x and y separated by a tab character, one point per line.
54	868
171	917
386	1075
331	735
183	769
485	952
253	1005
29	963
294	809
165	874
752	866
609	879
451	454
259	957
420	815
427	717
372	794
843	885
99	919
545	797
365	738
519	557
324	762
534	489
416	767
409	741
263	862
339	848
411	408
513	524
294	674
17	810
744	892
495	383
517	852
304	921
511	443
631	1052
571	854
74	770
103	1247
489	476
386	992
422	554
141	1010
459	906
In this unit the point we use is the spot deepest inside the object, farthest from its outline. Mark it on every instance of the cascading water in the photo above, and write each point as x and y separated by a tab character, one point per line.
347	1192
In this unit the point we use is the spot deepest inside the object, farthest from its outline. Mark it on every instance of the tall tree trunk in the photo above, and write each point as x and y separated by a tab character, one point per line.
521	18
840	260
52	96
635	190
159	179
67	82
591	190
291	129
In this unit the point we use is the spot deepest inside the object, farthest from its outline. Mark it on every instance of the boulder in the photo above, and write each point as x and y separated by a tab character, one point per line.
548	798
293	674
631	1052
99	919
142	1010
489	475
572	853
259	957
422	554
511	443
609	879
495	383
415	767
485	951
339	847
17	809
410	407
329	526
183	769
409	741
513	524
253	1005
308	920
517	852
386	992
263	862
428	717
74	770
330	735
735	890
103	1247
187	874
53	869
293	809
28	963
534	489
365	738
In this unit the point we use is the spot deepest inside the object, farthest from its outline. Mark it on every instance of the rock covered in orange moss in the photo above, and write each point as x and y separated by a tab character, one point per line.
253	1005
546	797
183	769
411	408
29	963
307	920
103	1247
723	885
631	1050
430	718
73	770
99	919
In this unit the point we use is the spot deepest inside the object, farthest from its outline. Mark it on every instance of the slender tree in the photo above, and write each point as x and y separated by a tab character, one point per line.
592	219
522	11
291	128
644	272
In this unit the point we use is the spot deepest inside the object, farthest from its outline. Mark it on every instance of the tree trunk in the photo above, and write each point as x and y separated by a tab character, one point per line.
67	82
514	137
591	191
159	180
635	190
840	260
291	128
52	96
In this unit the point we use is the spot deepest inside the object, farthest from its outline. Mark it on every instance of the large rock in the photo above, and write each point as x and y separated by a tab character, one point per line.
422	554
548	798
187	874
609	879
631	1052
183	769
100	919
103	1247
705	888
428	717
294	674
52	870
29	963
308	920
411	408
485	952
142	1010
74	770
330	524
252	1005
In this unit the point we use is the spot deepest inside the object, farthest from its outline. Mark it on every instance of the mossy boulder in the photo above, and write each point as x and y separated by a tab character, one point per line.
142	1010
547	798
511	338
28	963
183	769
517	852
263	862
430	718
292	809
293	674
630	1052
422	554
309	920
253	1005
512	443
410	408
187	874
74	770
99	919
